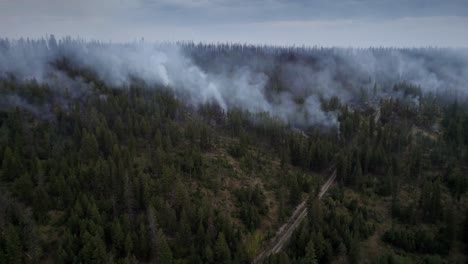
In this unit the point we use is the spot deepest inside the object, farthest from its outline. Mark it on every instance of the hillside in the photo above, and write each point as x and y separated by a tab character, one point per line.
94	172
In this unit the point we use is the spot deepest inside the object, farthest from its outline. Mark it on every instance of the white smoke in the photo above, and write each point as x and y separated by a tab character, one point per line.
239	81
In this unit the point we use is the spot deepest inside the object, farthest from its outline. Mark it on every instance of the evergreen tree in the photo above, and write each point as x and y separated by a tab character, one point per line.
163	251
222	251
24	187
11	167
12	246
310	257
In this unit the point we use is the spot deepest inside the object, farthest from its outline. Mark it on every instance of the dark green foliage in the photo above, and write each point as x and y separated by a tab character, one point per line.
465	228
11	166
238	150
329	233
310	257
431	201
252	206
418	240
163	252
136	176
222	253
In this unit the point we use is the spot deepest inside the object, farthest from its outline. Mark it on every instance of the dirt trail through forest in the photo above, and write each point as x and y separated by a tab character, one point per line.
285	232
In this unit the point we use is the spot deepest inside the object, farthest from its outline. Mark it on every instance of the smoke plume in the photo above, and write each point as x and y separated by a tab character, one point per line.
287	83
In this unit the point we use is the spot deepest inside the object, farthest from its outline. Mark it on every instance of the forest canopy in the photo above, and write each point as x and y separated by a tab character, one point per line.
199	153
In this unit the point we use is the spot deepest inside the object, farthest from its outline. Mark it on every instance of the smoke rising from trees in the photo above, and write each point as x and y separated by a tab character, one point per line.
287	83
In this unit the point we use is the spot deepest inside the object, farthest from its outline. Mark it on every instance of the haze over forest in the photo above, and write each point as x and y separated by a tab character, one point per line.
219	131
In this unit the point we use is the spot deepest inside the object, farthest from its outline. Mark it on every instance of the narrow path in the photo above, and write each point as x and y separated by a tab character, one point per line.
285	232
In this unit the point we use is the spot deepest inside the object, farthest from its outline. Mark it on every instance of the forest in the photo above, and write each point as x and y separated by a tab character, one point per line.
201	156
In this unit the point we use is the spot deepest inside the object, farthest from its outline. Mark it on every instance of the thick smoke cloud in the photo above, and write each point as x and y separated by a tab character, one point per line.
289	84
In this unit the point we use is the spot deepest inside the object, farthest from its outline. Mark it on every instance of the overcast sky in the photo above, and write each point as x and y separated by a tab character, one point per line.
346	23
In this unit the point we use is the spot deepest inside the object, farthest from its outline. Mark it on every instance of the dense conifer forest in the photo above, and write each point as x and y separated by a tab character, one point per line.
95	171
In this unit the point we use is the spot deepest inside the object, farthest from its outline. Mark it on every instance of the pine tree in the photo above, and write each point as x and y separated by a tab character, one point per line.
24	187
117	236
222	251
128	245
94	250
143	247
89	147
11	167
163	251
209	256
357	174
354	252
13	248
40	204
310	257
315	212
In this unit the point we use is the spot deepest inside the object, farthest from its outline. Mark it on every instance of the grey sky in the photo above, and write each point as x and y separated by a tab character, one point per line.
358	23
